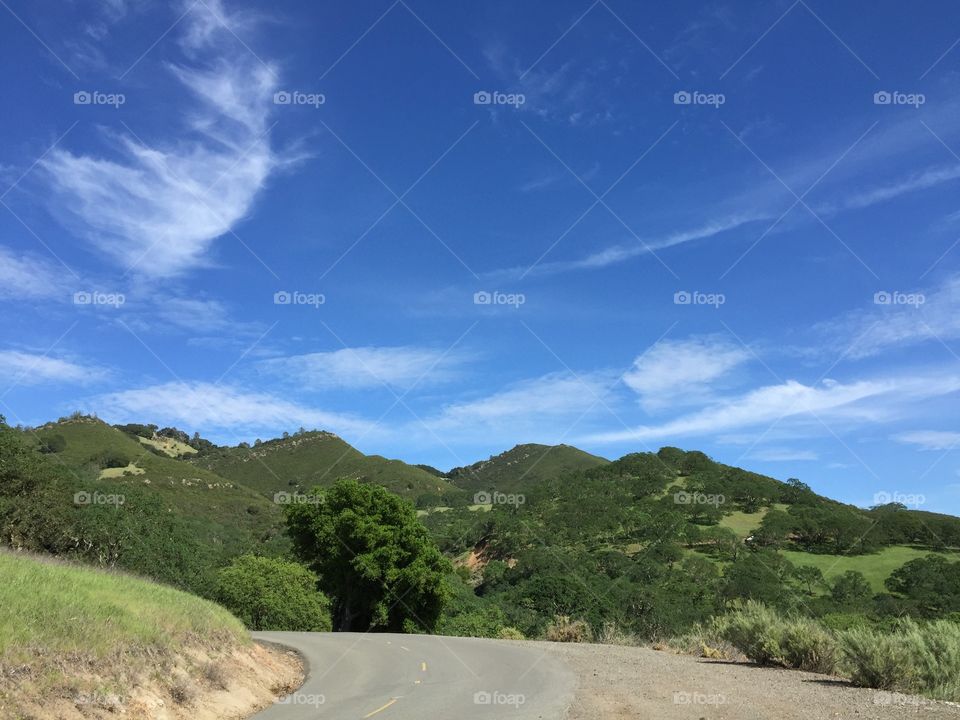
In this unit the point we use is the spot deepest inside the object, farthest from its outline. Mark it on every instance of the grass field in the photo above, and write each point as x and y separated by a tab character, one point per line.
744	523
876	567
50	609
173	448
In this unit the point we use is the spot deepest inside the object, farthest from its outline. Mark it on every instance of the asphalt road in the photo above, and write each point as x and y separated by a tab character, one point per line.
415	677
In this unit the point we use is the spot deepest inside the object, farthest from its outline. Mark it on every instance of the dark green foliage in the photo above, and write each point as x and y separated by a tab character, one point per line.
272	594
52	443
110	459
929	586
373	555
851	590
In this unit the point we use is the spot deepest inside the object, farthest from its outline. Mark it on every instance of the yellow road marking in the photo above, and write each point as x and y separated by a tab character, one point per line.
379	709
423	667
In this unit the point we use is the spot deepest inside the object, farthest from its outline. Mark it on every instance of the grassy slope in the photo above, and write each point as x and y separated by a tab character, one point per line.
316	458
876	567
97	613
99	617
221	512
523	466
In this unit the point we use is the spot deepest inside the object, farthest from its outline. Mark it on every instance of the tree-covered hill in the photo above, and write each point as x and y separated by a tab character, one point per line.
522	467
301	461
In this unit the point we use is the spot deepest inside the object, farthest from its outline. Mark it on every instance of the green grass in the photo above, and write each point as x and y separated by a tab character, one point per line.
876	567
53	610
744	523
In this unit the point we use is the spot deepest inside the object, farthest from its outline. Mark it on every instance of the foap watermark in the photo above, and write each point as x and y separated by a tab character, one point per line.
885	497
498	498
895	698
305	699
697	698
495	697
684	297
95	297
289	498
895	97
95	97
483	297
296	97
295	297
96	497
698	498
896	297
495	97
695	97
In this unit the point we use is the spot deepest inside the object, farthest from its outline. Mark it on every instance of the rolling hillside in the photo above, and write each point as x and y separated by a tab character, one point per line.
314	458
523	467
221	512
102	644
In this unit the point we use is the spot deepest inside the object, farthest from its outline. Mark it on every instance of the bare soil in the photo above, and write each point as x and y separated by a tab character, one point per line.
615	683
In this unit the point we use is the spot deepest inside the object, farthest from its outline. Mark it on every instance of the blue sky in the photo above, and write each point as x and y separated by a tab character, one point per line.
441	229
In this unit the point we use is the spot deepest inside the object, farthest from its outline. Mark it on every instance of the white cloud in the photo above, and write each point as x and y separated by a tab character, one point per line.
193	314
930	439
675	372
793	400
867	333
527	404
921	181
24	368
365	367
208	406
24	277
160	207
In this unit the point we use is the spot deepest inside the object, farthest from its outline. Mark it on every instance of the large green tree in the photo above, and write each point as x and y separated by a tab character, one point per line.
373	555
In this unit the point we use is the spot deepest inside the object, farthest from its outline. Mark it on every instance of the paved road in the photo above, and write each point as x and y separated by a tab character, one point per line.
352	676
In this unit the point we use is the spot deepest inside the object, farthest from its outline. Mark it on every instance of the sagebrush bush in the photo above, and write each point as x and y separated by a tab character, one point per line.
510	633
563	629
877	660
934	650
756	631
806	645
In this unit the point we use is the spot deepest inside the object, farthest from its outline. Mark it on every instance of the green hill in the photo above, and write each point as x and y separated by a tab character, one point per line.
307	459
522	467
105	496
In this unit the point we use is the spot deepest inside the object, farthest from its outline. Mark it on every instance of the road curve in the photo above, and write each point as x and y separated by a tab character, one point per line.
374	676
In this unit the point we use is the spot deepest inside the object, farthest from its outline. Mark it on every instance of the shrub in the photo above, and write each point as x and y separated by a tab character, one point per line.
510	633
111	459
756	631
271	594
614	634
934	650
563	629
876	660
806	645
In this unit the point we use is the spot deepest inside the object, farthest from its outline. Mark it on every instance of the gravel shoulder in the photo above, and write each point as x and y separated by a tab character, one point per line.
635	682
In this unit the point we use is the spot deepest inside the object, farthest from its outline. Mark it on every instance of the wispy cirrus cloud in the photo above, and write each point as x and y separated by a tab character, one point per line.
25	368
365	367
930	439
160	206
231	410
873	400
26	277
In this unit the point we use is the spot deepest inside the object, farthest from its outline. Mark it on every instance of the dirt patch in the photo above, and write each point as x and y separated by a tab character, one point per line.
616	683
198	685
